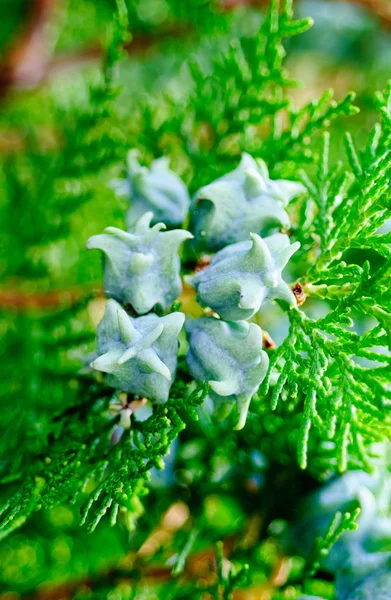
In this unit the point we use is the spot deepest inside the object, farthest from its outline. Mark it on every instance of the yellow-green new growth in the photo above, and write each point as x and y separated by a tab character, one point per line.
139	355
141	267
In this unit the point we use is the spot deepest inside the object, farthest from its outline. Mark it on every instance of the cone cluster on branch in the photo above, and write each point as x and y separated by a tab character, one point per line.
142	270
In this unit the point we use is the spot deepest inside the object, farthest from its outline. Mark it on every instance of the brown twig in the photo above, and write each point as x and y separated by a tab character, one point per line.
381	8
20	301
27	57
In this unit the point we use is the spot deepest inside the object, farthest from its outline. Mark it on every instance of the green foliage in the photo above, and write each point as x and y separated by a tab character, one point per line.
78	457
322	546
336	376
238	95
47	184
325	400
43	187
228	579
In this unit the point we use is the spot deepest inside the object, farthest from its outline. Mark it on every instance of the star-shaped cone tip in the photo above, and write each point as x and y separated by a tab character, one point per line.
149	361
142	267
141	343
129	334
138	354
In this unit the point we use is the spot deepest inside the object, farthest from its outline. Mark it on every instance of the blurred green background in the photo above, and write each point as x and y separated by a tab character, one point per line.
49	59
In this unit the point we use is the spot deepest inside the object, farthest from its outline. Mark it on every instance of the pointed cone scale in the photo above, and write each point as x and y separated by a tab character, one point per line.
143	224
161	164
153	335
111	312
150	361
242	406
284	292
156	228
107	362
129	334
104	242
207	193
284	256
127	355
177	236
124	236
247	162
262	168
260	252
254	184
173	324
132	162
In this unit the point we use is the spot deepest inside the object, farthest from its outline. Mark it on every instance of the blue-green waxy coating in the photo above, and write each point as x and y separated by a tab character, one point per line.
139	355
230	358
242	276
244	200
157	189
375	585
360	558
141	267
